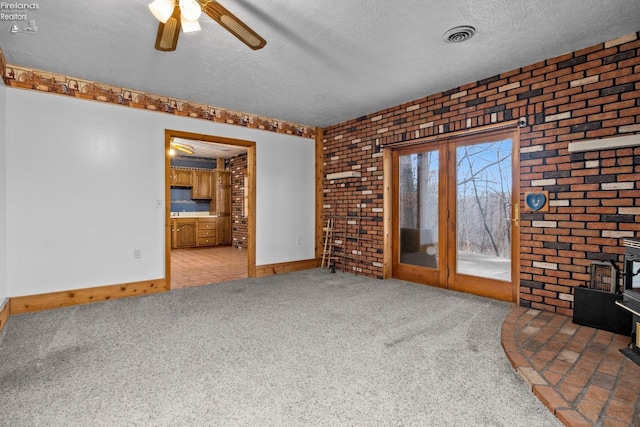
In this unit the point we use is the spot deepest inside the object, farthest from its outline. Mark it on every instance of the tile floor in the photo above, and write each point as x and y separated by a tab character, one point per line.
203	266
576	371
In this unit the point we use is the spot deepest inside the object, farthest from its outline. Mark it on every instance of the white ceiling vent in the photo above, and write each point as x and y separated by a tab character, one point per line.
459	34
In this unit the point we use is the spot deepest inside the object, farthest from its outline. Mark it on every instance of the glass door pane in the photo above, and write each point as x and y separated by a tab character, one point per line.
483	212
418	208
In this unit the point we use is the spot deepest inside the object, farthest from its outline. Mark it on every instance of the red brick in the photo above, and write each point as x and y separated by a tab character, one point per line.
587	201
570	417
557	302
559	289
588	65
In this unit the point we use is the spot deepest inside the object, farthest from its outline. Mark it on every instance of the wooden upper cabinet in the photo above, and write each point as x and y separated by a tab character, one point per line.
223	193
202	185
223	177
181	178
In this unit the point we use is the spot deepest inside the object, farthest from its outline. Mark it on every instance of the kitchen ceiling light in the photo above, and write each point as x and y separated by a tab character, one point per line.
185	148
162	9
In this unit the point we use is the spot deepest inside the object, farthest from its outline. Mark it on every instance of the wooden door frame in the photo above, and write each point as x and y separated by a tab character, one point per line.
389	190
251	191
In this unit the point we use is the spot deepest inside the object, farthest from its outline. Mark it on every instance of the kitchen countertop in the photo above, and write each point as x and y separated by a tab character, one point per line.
192	215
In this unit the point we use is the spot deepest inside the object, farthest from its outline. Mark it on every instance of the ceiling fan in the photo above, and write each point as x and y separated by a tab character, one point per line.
179	146
183	14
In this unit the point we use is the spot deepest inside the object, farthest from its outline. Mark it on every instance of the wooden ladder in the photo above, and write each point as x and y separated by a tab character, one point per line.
327	251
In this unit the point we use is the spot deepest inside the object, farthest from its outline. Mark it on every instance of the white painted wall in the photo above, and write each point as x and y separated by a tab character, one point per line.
4	289
283	185
83	179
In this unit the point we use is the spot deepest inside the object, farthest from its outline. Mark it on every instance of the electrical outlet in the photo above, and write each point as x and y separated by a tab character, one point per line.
137	254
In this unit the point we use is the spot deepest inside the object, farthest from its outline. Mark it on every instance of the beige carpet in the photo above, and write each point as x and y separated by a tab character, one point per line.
301	349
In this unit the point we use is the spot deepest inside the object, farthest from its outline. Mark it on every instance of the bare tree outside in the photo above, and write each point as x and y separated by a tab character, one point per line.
419	209
484	192
483	187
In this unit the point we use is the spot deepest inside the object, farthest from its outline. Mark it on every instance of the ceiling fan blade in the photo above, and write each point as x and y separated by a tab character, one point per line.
232	24
167	38
185	148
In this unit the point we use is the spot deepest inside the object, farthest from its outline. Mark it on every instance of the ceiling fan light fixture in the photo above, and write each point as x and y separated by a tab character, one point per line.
183	14
162	9
190	9
189	26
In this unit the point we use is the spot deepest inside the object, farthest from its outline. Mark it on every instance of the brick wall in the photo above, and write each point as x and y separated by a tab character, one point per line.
238	165
594	196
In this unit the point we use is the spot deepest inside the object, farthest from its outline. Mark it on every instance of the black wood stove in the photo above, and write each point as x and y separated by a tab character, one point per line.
631	295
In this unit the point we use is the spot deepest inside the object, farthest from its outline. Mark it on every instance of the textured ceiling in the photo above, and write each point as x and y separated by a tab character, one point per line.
325	62
209	149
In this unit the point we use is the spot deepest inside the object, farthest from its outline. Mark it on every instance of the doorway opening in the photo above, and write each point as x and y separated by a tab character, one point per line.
210	209
455	213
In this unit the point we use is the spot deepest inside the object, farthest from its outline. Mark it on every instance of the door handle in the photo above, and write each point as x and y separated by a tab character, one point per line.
516	214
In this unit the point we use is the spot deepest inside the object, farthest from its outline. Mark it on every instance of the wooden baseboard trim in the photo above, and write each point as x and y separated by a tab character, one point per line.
31	303
4	314
285	267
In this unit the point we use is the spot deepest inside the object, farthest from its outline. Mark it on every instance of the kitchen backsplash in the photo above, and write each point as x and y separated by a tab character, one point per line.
200	163
181	201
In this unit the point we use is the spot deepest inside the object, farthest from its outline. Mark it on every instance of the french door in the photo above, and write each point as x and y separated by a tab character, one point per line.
456	214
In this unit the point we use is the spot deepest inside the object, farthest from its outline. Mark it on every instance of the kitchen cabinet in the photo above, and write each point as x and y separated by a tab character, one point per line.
223	230
202	185
223	177
222	206
197	232
222	200
207	230
181	177
184	232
